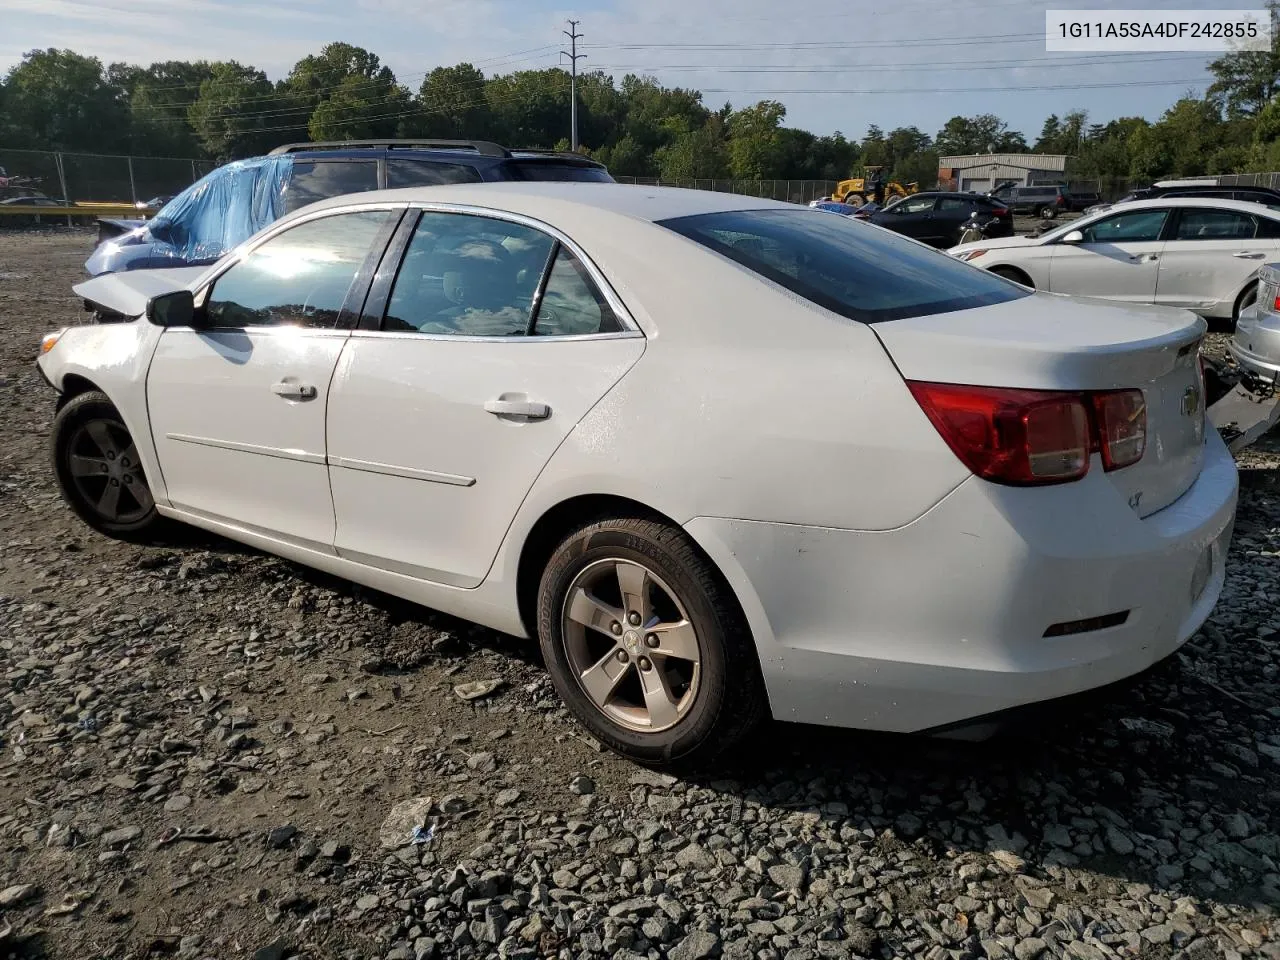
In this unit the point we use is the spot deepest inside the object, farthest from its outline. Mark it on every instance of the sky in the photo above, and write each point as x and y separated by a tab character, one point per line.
834	65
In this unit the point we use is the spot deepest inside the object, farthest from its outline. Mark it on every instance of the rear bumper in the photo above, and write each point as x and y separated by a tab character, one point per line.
944	620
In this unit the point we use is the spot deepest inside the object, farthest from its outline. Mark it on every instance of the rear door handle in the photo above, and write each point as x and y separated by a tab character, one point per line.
527	409
1144	258
1248	256
294	391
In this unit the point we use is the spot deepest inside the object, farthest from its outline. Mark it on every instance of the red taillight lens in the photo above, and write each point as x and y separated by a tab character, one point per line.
1003	212
1018	437
1061	201
1121	416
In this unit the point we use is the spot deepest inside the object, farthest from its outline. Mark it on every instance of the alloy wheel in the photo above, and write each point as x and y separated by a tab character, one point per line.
631	645
104	467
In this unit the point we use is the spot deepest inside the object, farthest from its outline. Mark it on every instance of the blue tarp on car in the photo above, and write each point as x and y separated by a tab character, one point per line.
213	215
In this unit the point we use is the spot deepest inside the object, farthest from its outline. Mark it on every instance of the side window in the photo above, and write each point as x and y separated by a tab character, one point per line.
954	205
300	277
426	173
468	275
1134	227
1268	229
313	180
1215	225
572	305
914	205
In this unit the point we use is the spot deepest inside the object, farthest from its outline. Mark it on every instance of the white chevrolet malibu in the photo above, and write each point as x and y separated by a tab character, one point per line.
723	457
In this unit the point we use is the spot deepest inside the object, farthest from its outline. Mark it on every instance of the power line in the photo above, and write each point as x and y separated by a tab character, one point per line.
574	56
1018	89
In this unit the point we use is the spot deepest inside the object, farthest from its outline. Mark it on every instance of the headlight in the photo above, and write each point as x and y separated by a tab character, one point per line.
49	341
967	255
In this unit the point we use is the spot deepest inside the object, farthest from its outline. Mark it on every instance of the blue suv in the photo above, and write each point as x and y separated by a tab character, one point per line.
234	202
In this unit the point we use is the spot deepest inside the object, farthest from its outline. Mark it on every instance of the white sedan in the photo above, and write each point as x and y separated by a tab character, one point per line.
723	457
1200	254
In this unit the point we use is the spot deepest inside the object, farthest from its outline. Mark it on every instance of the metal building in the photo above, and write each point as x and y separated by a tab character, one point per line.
984	171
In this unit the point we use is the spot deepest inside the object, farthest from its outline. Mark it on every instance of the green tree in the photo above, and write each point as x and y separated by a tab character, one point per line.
755	142
985	133
1245	81
530	108
696	154
626	158
58	99
354	111
160	99
227	116
453	104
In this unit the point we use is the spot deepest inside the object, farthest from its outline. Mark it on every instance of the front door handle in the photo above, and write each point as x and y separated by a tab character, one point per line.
1242	255
1144	258
294	391
527	409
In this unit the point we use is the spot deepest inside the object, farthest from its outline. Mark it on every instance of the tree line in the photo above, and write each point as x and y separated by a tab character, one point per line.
61	100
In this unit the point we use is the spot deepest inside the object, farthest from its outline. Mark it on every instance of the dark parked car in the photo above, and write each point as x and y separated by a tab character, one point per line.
1043	201
1084	199
234	202
1209	190
939	218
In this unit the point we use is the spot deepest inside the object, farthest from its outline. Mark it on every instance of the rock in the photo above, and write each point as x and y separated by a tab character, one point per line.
121	836
1237	826
1029	948
278	837
368	902
1118	842
405	818
482	763
695	857
19	892
477	689
177	803
1039	897
787	876
698	945
1009	861
507	798
274	950
582	785
909	825
1159	934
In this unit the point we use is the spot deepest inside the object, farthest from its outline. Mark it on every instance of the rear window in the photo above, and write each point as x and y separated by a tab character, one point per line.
551	170
428	173
851	268
313	180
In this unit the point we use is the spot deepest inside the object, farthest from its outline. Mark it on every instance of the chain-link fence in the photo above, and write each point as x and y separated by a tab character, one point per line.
795	191
96	177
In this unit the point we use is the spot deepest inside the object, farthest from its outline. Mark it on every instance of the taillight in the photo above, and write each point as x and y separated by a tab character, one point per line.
1121	416
1034	437
1061	201
1018	437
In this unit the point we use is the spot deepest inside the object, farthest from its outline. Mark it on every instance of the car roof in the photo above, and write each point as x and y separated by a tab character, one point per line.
1243	206
542	199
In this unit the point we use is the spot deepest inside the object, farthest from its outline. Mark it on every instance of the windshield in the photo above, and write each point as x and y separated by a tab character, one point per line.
553	170
854	269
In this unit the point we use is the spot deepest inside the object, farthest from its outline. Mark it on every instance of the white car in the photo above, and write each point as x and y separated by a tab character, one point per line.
1200	254
721	456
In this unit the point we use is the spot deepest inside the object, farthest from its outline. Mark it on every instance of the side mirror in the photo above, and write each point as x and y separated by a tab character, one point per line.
176	309
1075	236
160	229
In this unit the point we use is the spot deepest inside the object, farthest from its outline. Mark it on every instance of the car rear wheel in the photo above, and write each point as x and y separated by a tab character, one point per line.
1049	213
646	644
95	462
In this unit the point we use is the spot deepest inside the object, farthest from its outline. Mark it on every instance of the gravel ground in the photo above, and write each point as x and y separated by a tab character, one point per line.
199	746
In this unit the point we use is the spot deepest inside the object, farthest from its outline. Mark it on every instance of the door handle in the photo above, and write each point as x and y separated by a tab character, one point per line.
294	391
1248	256
1144	258
527	409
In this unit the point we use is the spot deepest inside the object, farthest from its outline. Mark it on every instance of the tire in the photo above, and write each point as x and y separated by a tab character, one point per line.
88	434
855	199
1017	276
1049	213
704	706
1247	299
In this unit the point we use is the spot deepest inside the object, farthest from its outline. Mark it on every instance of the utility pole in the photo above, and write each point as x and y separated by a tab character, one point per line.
574	56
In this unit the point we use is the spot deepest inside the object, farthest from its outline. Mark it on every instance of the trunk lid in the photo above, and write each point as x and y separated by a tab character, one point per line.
127	293
1052	342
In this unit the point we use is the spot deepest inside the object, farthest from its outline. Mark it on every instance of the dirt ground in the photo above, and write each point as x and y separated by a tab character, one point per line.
275	717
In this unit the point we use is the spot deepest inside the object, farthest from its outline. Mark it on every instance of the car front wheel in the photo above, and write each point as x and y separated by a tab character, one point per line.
646	645
95	462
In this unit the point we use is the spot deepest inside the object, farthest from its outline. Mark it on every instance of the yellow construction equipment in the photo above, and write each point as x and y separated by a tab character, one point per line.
859	190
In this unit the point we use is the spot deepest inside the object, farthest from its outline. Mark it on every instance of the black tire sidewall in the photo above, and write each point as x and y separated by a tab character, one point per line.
79	410
705	612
